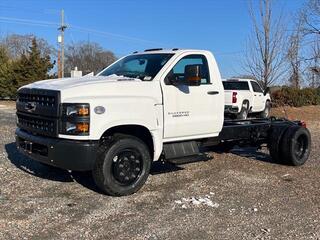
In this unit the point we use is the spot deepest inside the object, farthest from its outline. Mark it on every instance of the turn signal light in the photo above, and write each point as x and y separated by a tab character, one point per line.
82	127
83	111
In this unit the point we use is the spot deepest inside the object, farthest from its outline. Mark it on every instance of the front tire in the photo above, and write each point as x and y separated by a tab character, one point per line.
266	112
122	166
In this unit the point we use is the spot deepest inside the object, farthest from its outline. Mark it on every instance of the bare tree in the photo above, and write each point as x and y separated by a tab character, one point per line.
17	45
88	57
314	66
293	54
311	17
265	55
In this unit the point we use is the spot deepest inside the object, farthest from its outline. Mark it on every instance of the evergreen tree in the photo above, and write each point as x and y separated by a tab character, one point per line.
7	86
31	66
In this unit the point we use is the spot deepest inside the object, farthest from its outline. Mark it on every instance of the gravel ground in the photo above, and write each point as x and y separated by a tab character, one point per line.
238	195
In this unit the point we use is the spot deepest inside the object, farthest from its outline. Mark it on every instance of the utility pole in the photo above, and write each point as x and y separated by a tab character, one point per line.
61	41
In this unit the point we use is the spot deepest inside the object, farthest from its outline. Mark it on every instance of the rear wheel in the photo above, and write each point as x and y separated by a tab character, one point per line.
122	166
296	145
244	111
274	143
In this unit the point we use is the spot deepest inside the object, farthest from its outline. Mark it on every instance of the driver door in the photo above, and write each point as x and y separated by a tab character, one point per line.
190	111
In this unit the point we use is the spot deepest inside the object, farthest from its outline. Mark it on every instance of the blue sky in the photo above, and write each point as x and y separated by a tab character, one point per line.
124	26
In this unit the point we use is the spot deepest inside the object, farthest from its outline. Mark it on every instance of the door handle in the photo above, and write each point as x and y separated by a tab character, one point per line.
255	95
213	92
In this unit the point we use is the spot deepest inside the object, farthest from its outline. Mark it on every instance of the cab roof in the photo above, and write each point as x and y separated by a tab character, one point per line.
238	80
173	51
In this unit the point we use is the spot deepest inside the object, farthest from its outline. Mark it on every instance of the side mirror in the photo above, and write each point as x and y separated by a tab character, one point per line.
192	74
267	90
170	79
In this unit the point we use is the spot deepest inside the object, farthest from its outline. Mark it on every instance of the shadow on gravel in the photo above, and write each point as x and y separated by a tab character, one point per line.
48	172
247	152
252	153
56	174
159	167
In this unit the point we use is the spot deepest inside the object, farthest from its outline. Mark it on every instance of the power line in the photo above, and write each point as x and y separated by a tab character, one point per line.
25	23
94	31
109	34
76	28
23	20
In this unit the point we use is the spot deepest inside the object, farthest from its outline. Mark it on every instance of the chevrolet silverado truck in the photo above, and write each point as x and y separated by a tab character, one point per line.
148	106
244	96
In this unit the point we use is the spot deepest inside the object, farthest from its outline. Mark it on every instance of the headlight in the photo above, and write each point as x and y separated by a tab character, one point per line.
75	119
80	110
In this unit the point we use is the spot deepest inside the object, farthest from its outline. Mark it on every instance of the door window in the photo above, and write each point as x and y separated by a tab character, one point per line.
256	87
178	71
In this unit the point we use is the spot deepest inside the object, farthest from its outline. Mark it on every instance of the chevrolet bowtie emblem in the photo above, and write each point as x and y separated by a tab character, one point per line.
30	106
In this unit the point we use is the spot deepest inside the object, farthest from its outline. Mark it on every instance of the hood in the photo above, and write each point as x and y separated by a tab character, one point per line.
66	83
86	88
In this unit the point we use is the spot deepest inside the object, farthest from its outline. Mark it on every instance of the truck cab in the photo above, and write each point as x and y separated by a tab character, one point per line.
151	105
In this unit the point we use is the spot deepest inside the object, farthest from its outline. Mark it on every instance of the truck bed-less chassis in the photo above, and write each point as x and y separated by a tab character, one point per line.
148	106
286	144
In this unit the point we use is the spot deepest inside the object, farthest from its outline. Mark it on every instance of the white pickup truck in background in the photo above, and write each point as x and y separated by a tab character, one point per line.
244	96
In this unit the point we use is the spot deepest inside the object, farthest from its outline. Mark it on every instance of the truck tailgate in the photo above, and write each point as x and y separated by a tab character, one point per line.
228	97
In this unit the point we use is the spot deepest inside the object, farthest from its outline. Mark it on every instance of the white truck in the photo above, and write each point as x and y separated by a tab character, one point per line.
148	106
244	96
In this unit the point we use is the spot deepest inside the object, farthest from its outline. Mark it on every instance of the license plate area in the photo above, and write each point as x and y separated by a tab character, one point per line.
33	148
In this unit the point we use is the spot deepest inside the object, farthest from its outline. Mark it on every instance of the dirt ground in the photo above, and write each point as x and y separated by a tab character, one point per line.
237	195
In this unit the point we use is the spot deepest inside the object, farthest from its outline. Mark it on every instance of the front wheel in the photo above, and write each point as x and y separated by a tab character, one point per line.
266	112
122	166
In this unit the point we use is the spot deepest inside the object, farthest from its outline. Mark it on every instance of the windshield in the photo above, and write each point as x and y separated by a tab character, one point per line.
235	85
142	66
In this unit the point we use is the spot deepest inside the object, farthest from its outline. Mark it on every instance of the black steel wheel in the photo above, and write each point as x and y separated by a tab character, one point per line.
127	166
296	145
122	166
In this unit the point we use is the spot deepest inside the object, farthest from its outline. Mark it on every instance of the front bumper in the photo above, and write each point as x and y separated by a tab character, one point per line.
66	154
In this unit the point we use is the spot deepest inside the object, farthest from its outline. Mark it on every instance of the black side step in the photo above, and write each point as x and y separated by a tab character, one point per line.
180	149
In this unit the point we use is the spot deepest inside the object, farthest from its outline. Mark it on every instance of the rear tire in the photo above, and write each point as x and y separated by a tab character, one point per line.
274	143
266	112
296	145
244	111
122	166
